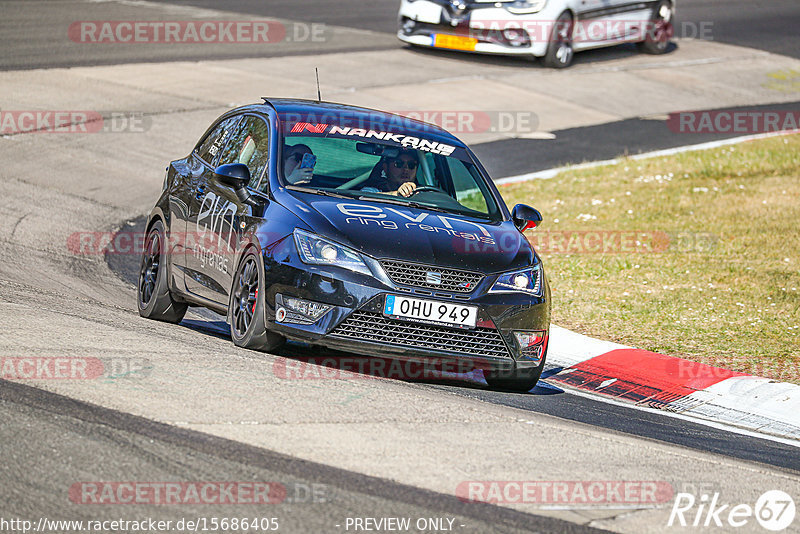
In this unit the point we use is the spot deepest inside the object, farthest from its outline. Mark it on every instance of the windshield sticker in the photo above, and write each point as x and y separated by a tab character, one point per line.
219	142
406	141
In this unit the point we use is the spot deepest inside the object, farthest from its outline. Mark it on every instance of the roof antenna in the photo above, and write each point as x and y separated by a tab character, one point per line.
319	95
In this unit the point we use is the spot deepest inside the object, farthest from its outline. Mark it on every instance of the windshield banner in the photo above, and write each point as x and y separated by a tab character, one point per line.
368	128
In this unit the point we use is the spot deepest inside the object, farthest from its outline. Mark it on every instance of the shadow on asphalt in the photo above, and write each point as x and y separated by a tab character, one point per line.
315	362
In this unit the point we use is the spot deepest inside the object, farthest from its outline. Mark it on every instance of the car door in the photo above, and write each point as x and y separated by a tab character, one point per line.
181	179
216	212
630	20
592	16
196	248
603	22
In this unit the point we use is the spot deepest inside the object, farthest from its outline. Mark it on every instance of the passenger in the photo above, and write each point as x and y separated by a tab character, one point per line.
254	153
398	176
292	157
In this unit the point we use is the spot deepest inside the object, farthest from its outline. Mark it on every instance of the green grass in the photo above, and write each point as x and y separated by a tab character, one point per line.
723	286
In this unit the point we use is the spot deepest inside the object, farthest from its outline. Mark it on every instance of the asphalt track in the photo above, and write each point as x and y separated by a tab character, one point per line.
52	440
122	446
767	25
35	32
628	137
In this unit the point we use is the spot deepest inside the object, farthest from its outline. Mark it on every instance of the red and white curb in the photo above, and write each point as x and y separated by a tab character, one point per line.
651	381
656	381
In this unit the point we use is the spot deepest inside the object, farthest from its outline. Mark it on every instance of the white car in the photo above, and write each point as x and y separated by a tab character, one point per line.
550	29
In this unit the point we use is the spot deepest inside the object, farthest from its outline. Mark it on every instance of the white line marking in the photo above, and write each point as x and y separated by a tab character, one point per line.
550	173
606	383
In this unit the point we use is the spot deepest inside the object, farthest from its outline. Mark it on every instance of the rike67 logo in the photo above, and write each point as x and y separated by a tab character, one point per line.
774	511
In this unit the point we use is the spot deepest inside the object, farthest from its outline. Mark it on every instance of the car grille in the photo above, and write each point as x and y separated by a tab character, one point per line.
374	327
412	274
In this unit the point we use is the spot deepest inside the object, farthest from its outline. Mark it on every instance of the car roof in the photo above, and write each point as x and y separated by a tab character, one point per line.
312	111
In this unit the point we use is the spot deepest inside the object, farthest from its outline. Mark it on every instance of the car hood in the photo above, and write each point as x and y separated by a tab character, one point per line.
389	231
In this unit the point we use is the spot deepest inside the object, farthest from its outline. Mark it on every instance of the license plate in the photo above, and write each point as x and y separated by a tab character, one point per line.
429	311
456	42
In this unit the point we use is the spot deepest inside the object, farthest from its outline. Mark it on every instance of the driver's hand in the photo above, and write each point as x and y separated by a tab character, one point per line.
300	176
407	189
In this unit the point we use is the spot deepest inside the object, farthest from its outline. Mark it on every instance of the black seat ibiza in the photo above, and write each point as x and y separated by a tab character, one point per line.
353	229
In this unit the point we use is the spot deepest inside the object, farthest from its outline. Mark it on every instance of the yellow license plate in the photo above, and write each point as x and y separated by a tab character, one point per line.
456	42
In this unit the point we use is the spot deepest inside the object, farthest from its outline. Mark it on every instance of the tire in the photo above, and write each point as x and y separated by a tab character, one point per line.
246	307
560	53
659	32
153	296
517	381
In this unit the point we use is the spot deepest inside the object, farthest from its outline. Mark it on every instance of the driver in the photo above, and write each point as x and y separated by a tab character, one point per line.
398	176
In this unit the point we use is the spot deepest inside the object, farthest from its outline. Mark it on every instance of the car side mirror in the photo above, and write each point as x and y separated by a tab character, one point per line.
525	217
236	176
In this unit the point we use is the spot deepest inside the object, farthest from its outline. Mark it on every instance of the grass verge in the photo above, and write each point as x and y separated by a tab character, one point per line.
695	255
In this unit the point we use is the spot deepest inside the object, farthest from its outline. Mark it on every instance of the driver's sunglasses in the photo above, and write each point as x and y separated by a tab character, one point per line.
410	165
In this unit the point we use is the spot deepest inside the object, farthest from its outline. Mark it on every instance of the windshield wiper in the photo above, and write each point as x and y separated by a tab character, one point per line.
411	203
323	192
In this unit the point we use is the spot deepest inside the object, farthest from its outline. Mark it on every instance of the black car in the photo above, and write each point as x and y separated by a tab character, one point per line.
352	229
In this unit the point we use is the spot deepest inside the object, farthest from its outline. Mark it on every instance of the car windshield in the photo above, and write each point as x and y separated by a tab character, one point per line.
373	170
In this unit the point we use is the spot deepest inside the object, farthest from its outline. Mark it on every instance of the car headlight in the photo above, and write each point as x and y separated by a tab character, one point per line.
524	7
317	250
527	281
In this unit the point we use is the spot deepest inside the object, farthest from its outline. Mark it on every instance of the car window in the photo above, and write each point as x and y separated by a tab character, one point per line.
211	146
467	185
374	170
336	158
249	145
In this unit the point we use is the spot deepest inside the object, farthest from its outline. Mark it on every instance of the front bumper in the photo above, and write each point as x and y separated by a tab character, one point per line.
493	44
419	22
355	322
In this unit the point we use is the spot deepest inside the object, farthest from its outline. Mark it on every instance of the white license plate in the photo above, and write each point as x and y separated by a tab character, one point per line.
430	311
